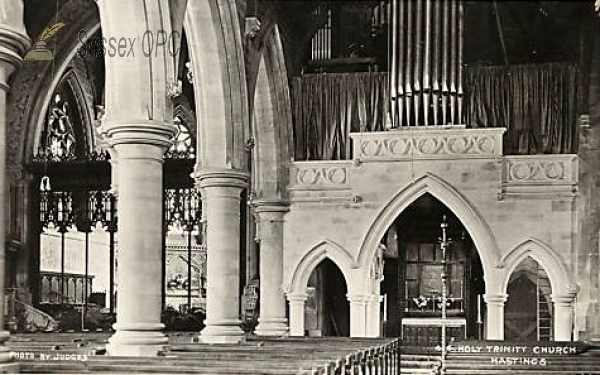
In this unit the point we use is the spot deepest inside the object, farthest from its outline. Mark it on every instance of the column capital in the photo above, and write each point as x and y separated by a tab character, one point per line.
144	132
206	178
270	205
296	297
496	299
358	298
13	45
563	299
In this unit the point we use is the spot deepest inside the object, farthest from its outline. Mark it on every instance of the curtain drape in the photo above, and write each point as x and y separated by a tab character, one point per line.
327	107
536	103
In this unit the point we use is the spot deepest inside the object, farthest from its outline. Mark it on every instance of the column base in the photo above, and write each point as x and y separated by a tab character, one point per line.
272	327
139	343
222	333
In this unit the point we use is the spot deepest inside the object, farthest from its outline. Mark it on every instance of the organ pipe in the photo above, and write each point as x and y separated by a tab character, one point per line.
426	67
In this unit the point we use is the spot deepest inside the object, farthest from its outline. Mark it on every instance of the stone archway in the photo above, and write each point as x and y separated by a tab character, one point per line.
561	281
474	223
465	211
298	281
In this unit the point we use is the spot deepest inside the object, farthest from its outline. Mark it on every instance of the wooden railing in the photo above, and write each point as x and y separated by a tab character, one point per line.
381	360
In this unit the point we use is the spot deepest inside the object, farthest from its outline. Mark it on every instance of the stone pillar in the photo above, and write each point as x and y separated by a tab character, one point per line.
358	314
13	45
272	320
373	318
221	191
563	317
495	316
140	148
296	301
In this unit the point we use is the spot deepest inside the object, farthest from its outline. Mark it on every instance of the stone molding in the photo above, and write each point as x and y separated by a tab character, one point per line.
320	175
270	206
428	143
220	178
540	176
295	298
495	299
358	298
564	300
138	132
13	44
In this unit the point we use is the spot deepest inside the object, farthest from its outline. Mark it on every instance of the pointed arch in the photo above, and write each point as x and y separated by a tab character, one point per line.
215	47
473	221
557	272
35	84
325	249
271	118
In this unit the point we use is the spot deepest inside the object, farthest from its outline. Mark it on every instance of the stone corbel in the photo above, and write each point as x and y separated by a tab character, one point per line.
252	27
175	90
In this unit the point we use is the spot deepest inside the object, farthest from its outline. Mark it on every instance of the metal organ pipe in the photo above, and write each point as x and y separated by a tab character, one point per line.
444	48
436	61
393	69
453	67
426	65
461	46
408	79
418	61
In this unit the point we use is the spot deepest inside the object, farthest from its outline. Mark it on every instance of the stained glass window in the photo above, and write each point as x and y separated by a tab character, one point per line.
58	136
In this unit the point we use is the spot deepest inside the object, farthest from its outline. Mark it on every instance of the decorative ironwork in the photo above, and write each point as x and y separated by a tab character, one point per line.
183	213
56	209
183	143
102	208
182	209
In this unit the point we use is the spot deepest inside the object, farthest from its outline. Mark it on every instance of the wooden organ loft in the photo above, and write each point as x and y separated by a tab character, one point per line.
374	66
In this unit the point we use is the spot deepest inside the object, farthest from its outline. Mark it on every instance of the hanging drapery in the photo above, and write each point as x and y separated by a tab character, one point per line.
327	107
426	62
536	103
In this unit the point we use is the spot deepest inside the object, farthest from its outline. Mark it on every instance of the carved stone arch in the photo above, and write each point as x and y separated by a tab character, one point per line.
560	278
271	119
326	249
36	81
464	210
216	52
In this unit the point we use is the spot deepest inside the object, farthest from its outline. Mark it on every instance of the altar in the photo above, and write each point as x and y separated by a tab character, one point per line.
428	331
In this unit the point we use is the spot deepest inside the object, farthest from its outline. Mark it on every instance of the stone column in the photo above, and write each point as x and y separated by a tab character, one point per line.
495	316
358	314
272	320
140	148
296	301
221	191
373	316
563	317
13	45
